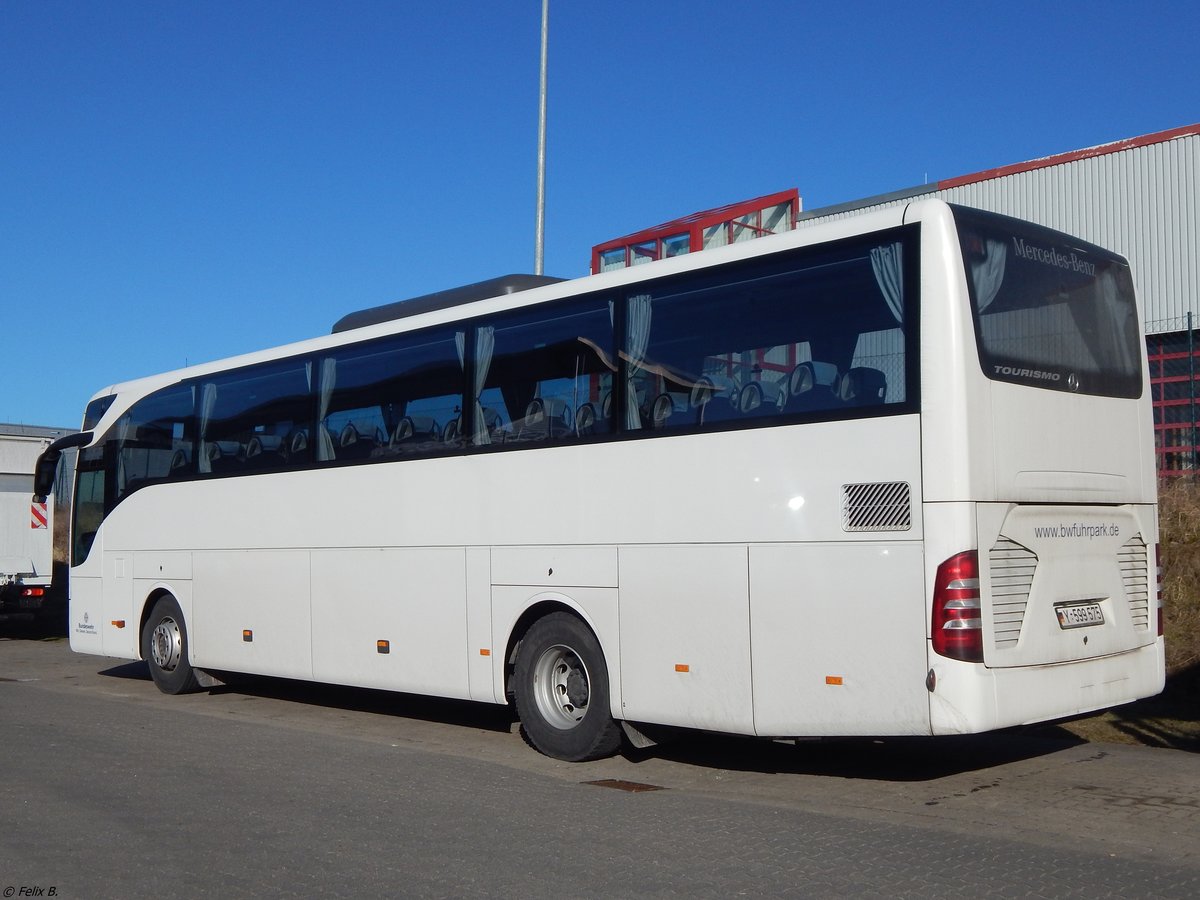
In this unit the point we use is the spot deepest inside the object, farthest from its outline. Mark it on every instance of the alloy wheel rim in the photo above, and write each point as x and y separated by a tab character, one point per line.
562	687
166	644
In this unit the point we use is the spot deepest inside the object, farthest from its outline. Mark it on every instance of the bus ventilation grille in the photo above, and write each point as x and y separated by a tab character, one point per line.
881	506
1136	575
1011	567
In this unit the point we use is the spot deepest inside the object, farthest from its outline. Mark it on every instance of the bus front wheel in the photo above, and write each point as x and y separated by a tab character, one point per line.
561	688
165	649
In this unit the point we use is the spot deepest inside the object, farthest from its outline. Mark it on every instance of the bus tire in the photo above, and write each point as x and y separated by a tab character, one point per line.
561	690
165	648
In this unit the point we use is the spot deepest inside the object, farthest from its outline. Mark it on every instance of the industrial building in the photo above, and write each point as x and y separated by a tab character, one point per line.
1139	197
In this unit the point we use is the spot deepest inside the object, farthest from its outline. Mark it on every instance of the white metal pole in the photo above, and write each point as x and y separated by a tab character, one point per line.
540	232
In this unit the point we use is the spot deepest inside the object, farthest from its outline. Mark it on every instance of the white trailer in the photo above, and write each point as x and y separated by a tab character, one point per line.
26	528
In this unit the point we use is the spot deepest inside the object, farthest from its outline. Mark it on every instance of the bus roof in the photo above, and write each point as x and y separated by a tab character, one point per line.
467	293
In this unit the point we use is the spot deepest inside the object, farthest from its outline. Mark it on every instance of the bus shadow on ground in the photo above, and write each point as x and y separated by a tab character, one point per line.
895	759
465	713
136	671
483	716
1171	720
886	759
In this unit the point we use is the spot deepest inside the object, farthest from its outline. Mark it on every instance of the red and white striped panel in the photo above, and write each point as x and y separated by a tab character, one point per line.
37	515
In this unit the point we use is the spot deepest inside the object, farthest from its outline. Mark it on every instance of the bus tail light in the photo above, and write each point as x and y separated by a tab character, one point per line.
33	592
957	622
1158	581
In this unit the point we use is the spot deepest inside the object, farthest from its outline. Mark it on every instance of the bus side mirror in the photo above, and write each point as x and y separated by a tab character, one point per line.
47	464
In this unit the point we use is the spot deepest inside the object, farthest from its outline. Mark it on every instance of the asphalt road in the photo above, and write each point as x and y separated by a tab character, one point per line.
276	788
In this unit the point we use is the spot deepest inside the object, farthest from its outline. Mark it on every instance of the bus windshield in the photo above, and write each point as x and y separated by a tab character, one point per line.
1050	311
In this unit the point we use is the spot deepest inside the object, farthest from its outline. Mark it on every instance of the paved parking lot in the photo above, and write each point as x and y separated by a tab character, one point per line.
285	789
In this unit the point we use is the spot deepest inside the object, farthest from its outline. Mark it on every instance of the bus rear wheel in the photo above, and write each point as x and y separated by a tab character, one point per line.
165	648
561	688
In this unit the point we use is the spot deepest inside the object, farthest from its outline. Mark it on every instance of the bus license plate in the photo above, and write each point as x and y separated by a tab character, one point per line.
1079	615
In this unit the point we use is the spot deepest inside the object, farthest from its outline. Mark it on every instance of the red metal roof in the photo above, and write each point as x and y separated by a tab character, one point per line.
702	219
1100	150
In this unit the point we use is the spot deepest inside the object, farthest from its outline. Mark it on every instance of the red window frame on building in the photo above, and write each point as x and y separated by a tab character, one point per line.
686	235
1175	444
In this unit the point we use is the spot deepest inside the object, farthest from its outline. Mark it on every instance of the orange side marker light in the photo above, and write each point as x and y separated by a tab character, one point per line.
682	667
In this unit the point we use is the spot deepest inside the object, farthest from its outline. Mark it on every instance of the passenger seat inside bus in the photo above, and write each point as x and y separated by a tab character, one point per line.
760	398
811	386
224	456
661	411
493	421
862	386
415	430
296	447
714	399
548	417
701	393
352	444
263	452
585	420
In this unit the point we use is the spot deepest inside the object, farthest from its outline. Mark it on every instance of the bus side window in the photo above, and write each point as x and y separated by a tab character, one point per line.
248	418
815	332
155	440
706	357
546	374
395	397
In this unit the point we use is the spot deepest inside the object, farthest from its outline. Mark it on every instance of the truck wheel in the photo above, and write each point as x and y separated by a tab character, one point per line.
165	649
561	688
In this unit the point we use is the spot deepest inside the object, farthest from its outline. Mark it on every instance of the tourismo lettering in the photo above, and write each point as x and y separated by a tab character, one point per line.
1051	257
1038	374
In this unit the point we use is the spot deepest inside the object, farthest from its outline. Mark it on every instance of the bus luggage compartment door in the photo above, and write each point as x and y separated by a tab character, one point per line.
838	631
685	636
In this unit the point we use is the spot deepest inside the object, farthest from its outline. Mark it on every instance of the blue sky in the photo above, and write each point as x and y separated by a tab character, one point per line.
181	182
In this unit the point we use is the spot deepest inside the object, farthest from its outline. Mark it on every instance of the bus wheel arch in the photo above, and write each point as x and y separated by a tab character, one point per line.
164	645
560	685
541	606
148	608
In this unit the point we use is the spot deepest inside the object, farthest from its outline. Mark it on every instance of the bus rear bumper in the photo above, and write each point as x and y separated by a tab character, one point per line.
971	698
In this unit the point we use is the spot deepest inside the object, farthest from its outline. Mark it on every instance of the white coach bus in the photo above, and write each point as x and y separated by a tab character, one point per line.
889	475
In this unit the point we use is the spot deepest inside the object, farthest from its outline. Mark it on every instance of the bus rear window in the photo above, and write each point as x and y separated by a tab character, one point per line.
1050	311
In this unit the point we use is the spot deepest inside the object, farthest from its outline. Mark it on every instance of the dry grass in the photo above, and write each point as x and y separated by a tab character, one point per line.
1179	534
